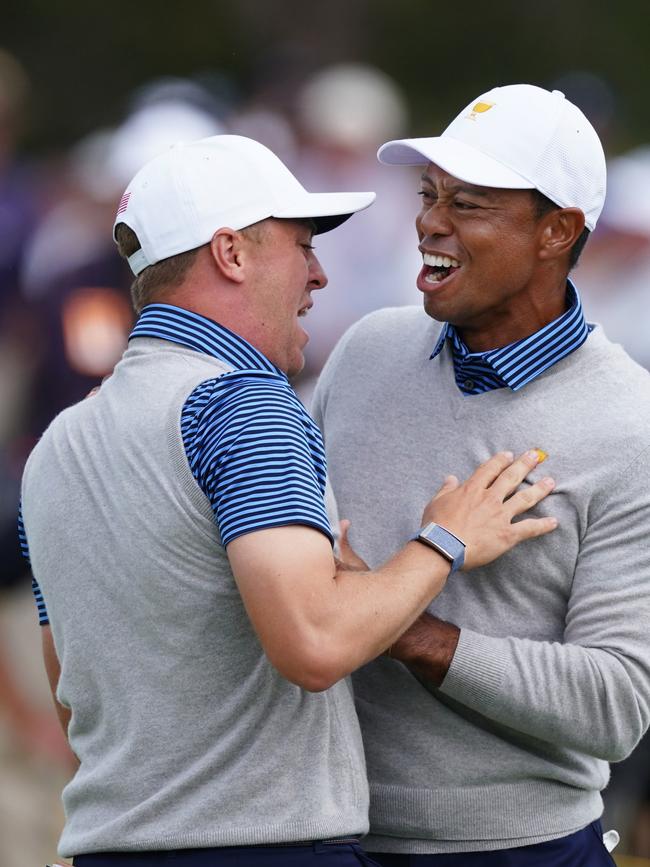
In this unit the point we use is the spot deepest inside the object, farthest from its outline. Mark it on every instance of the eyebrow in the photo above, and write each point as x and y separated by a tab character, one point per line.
460	187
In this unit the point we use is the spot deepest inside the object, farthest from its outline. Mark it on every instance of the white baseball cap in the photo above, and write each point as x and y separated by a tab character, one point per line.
518	137
179	199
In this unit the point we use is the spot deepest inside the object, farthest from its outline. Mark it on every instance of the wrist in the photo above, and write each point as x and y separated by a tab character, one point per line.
427	648
446	543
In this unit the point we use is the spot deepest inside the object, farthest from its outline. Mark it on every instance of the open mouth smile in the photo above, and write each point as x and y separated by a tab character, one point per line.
437	268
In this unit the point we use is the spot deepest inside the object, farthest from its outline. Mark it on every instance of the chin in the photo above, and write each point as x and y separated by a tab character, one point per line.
435	311
295	366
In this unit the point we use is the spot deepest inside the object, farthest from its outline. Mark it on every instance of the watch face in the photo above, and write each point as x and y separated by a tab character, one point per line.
445	543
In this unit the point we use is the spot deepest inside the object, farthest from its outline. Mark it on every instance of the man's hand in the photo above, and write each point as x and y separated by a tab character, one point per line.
480	511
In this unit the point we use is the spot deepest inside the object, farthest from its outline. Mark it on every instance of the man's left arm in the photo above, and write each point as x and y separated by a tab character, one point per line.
592	691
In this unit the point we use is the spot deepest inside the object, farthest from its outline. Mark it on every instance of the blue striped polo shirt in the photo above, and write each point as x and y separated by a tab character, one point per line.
517	364
252	447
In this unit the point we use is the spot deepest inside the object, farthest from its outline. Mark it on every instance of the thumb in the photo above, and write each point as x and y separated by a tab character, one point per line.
344	543
348	554
450	484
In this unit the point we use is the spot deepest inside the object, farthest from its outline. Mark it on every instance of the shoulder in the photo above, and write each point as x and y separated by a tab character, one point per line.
394	322
598	400
620	386
385	338
243	390
256	402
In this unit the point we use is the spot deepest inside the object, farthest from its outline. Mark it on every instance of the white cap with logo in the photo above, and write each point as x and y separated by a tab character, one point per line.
178	200
518	137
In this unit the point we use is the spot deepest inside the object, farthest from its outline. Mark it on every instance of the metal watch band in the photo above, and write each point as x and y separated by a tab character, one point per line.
444	542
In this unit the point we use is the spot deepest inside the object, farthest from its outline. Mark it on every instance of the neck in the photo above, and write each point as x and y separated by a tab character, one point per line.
510	323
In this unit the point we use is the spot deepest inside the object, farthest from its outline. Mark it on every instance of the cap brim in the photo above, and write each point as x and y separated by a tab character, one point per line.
454	157
327	210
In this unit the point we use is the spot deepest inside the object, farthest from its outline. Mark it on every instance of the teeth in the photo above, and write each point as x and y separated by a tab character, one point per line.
440	261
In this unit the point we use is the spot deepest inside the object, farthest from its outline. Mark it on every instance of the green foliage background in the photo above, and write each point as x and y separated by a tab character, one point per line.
85	57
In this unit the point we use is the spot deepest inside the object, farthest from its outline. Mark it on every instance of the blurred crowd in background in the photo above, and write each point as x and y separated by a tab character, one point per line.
65	316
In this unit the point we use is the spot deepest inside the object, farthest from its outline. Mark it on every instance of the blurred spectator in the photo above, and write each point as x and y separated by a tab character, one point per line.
614	273
344	113
18	214
72	273
614	278
29	727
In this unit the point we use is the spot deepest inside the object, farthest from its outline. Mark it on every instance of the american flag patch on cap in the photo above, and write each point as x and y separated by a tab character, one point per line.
124	201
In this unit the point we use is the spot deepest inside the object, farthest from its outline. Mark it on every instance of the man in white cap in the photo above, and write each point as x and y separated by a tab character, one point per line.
489	725
200	627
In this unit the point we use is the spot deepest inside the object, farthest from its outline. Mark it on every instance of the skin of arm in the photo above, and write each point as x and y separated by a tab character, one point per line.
317	622
53	671
590	692
427	648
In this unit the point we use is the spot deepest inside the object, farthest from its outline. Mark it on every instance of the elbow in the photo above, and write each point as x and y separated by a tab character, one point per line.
622	748
313	681
309	666
616	742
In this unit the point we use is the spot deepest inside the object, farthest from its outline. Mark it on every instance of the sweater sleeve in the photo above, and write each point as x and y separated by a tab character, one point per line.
592	691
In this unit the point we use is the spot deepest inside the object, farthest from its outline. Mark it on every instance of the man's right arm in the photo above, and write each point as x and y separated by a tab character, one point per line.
317	623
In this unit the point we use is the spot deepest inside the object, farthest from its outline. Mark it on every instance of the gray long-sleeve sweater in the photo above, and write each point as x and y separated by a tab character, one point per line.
551	678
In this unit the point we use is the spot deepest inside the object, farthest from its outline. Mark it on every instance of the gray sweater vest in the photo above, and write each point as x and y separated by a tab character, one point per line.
187	736
551	679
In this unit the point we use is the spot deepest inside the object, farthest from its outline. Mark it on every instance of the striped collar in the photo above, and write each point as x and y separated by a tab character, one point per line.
519	363
201	334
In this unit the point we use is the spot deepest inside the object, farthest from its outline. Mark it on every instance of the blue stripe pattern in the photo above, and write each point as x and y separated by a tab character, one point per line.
519	363
251	445
36	590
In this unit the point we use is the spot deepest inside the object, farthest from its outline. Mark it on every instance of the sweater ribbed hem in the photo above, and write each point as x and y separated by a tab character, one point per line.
375	843
351	823
476	818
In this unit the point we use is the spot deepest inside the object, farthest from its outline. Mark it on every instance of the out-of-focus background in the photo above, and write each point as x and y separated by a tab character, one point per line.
89	91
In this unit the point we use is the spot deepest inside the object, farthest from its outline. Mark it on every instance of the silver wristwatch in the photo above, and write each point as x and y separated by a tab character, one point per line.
444	542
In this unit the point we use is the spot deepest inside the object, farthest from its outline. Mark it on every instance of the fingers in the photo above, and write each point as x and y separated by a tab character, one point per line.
524	500
486	474
511	477
531	528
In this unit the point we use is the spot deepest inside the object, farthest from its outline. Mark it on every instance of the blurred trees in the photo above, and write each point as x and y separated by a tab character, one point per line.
84	57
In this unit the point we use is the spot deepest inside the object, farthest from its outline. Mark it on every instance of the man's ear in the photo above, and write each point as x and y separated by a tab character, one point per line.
226	250
560	229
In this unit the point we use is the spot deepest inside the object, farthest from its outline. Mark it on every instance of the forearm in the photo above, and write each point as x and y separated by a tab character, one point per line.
587	699
427	648
369	611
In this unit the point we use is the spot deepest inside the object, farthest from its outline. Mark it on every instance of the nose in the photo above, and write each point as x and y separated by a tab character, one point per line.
317	276
434	220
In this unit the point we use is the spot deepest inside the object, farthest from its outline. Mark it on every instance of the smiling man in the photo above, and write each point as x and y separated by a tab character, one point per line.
199	625
489	725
